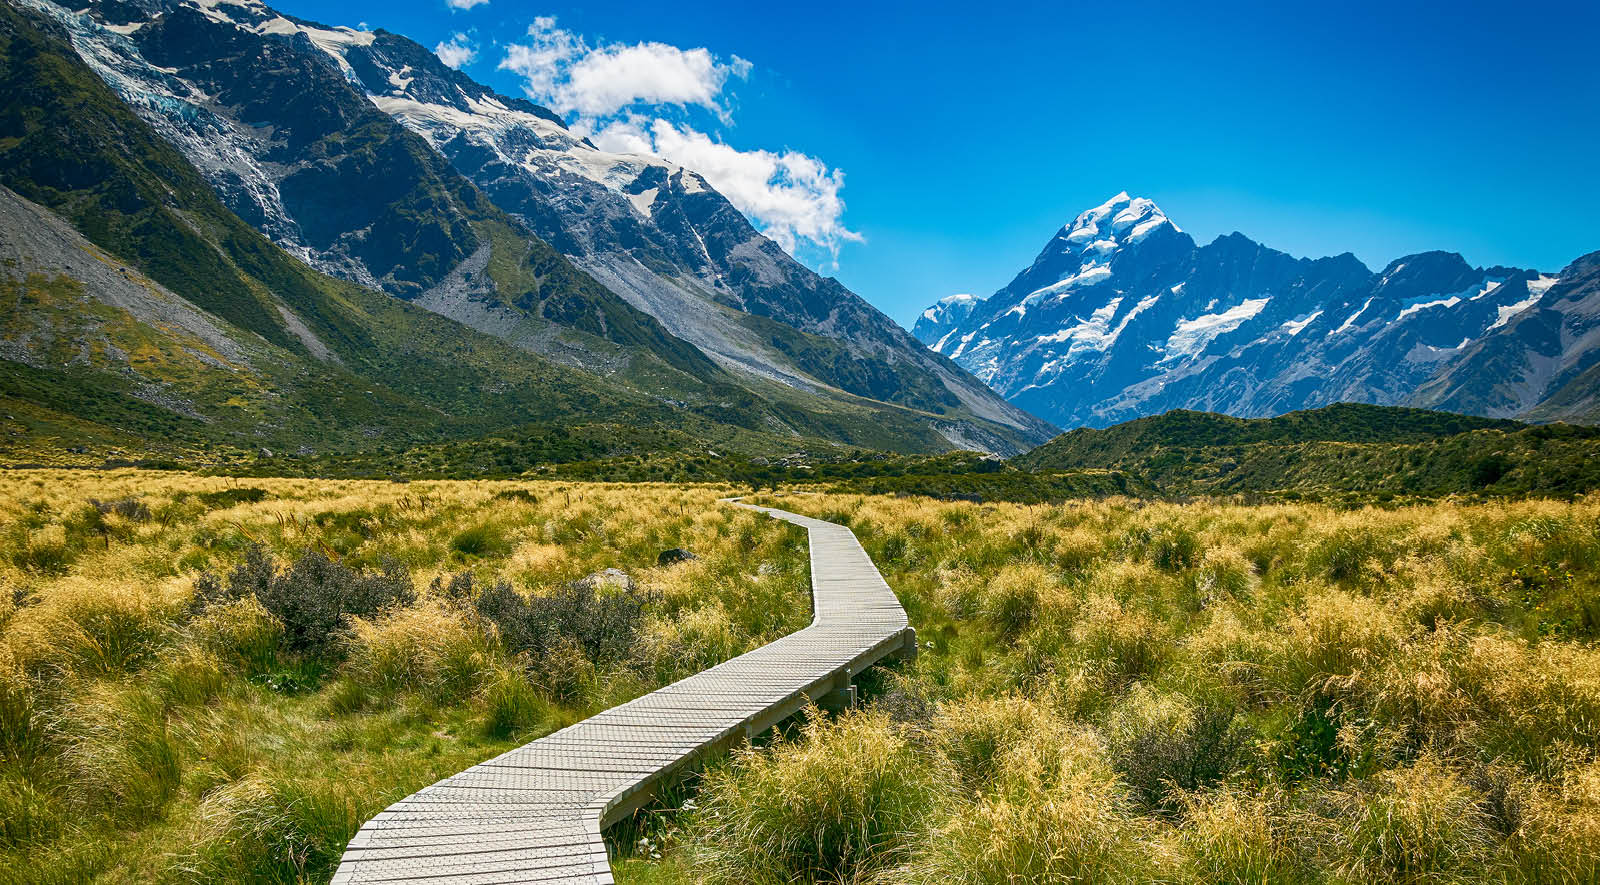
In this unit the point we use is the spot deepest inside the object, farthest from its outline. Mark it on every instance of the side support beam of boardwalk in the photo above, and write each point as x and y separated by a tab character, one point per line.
535	814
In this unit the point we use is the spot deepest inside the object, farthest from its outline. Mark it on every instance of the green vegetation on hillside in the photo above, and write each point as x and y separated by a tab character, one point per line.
1344	452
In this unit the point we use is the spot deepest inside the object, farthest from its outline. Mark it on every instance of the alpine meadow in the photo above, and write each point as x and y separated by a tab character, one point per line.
454	442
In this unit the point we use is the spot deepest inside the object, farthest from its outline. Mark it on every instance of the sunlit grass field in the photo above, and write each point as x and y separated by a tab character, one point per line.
1206	693
212	680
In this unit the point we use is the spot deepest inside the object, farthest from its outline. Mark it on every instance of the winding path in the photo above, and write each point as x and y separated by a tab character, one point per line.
535	814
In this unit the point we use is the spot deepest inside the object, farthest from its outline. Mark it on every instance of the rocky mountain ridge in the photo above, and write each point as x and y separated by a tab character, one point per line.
363	155
1123	315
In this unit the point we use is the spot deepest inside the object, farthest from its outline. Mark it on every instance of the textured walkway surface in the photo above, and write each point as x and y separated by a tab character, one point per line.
534	814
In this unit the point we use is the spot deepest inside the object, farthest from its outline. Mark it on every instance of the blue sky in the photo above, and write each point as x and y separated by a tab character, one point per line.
965	134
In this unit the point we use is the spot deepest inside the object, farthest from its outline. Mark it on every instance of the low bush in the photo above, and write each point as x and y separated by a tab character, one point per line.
130	509
224	498
602	623
312	598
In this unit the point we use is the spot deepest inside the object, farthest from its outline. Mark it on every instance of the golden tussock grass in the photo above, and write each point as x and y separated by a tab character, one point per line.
1209	692
149	731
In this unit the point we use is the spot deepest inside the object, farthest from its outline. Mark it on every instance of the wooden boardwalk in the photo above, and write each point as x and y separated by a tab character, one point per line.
535	814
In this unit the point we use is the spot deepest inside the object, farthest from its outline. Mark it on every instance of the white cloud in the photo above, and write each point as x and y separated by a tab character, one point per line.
457	51
561	70
614	90
792	197
464	4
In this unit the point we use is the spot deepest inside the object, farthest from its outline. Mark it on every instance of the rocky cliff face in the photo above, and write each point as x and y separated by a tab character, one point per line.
660	236
1124	315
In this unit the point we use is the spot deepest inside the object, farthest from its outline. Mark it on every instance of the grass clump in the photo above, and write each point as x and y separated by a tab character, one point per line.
1056	814
839	805
118	755
1418	824
1167	745
1239	837
432	647
278	830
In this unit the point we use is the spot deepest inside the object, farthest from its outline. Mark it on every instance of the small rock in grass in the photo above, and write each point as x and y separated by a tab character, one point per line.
611	577
675	555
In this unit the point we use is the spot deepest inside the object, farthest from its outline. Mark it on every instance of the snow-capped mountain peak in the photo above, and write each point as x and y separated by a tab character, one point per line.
1123	315
1118	221
961	302
944	315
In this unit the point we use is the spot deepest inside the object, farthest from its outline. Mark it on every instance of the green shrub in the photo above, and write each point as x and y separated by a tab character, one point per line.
603	625
225	498
484	539
312	598
131	509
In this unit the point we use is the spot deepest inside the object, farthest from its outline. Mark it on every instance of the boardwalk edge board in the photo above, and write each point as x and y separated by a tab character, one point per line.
560	792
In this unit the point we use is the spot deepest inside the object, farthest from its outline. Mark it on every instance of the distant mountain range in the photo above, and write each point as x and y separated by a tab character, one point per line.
1123	315
334	240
